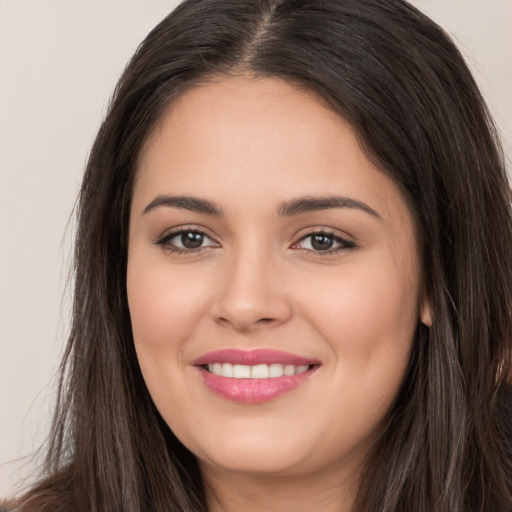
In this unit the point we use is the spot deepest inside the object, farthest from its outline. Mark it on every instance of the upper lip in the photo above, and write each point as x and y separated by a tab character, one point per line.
253	357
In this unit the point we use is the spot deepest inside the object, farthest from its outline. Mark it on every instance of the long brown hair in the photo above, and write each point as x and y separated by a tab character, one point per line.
405	89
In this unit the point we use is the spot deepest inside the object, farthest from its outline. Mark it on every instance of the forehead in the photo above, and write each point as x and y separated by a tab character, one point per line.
244	139
243	114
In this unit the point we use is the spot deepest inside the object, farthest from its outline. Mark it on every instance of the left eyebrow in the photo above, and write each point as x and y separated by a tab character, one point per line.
312	204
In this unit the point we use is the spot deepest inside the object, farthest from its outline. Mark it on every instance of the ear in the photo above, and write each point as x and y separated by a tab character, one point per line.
425	311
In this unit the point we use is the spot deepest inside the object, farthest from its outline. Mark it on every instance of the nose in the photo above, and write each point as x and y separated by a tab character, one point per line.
253	295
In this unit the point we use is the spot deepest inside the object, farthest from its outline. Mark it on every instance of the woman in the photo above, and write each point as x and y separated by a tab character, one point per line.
293	288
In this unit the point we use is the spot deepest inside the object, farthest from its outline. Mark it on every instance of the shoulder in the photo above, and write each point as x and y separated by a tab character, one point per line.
52	494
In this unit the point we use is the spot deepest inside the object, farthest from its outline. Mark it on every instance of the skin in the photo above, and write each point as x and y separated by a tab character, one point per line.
248	145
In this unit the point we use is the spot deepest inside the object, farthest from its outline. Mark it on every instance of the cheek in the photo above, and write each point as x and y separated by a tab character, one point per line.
371	304
164	306
368	320
368	316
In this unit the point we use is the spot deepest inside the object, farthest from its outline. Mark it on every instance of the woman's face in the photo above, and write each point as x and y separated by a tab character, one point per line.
273	280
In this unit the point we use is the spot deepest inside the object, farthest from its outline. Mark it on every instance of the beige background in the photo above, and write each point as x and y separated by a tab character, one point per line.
59	61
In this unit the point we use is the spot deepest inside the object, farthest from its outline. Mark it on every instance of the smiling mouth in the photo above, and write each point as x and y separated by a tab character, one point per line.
258	371
254	376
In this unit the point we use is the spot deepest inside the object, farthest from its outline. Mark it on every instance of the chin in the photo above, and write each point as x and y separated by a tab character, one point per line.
253	452
256	461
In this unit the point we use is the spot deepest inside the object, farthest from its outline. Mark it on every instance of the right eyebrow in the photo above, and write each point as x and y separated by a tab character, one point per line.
185	202
314	204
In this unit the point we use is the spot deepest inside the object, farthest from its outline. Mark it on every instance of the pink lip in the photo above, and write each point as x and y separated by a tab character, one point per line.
253	391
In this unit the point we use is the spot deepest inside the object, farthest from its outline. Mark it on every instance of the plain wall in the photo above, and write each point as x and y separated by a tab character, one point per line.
59	61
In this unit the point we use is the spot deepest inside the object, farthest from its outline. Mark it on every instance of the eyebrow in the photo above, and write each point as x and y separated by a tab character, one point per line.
287	209
313	204
193	204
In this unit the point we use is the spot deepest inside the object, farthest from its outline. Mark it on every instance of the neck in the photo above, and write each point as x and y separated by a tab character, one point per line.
230	491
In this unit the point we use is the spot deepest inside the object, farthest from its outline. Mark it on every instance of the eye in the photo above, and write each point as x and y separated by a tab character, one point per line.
186	240
323	242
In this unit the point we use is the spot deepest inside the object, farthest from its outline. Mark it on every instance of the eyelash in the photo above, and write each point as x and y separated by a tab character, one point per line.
344	244
164	242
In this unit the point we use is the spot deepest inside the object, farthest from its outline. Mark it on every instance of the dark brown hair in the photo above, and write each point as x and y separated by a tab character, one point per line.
405	89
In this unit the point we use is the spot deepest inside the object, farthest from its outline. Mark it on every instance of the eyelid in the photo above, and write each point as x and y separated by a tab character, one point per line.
345	242
164	239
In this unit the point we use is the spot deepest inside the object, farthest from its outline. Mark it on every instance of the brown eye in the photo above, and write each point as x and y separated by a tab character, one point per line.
323	243
186	240
192	239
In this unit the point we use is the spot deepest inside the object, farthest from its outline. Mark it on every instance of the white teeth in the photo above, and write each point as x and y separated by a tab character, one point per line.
289	370
227	370
259	371
275	370
241	371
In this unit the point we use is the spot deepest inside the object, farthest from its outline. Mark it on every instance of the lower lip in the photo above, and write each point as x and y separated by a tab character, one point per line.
253	391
